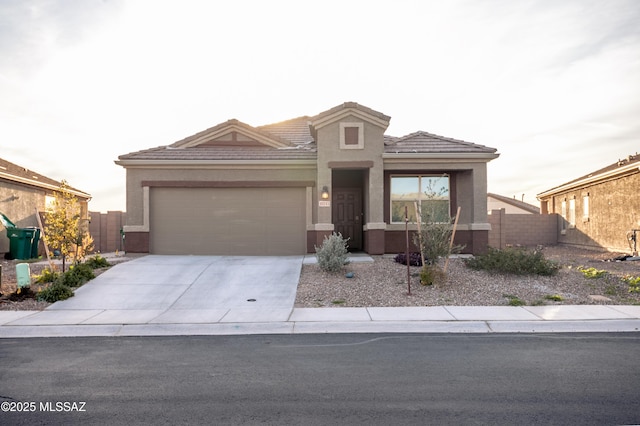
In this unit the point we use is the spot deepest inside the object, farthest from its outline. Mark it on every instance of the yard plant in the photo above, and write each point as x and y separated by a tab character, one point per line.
332	254
515	261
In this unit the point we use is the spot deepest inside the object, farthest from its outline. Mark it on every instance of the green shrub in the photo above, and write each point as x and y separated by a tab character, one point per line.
54	292
77	275
47	276
431	274
514	300
513	261
332	255
97	261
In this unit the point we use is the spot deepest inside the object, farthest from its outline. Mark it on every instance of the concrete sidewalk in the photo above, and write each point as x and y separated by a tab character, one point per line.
242	321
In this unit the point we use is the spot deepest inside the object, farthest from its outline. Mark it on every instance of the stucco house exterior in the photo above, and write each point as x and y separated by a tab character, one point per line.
598	210
279	189
22	191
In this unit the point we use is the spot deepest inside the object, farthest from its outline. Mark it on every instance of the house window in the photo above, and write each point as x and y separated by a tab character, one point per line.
585	207
572	213
430	194
351	135
49	203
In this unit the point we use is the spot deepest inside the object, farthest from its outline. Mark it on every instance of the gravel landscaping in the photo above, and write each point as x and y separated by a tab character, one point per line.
384	283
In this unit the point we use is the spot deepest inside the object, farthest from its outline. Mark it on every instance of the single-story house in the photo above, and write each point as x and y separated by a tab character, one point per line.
510	205
599	210
281	188
22	191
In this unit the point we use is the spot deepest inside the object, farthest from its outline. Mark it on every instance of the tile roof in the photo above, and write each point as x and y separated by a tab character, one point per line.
295	130
13	172
424	142
296	140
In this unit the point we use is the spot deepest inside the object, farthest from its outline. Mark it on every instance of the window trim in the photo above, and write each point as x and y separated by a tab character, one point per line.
360	144
419	176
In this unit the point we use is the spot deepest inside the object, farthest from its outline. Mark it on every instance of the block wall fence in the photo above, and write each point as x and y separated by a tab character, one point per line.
105	229
522	229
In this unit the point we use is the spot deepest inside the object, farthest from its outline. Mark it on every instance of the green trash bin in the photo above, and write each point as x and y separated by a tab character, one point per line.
20	240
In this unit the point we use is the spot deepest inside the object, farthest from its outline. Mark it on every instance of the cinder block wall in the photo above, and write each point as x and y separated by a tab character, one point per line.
105	230
522	229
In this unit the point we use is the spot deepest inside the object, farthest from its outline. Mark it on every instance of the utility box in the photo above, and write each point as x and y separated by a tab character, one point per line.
23	275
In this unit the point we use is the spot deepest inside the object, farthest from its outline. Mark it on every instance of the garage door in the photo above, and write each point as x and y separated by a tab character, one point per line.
227	221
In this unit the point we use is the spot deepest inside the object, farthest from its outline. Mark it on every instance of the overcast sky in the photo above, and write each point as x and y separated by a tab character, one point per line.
553	85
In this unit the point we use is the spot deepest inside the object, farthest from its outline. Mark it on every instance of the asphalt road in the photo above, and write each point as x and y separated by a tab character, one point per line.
323	379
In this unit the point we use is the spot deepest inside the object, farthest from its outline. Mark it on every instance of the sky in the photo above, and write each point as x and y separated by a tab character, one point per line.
554	86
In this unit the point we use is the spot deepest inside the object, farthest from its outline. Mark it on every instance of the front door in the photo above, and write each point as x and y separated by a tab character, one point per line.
347	216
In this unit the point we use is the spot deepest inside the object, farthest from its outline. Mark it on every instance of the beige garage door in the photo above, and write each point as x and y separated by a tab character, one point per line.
227	221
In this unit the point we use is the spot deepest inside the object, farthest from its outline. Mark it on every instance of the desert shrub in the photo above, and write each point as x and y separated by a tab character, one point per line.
46	276
414	258
97	261
514	261
432	274
592	273
54	292
77	275
634	283
332	254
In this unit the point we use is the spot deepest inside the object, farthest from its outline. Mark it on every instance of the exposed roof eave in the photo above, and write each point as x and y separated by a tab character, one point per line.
42	185
628	169
404	156
212	164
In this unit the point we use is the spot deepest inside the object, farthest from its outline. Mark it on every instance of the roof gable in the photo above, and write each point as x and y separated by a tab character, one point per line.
231	133
347	109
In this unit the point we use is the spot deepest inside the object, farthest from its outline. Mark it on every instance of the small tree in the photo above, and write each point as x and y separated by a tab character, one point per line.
64	227
434	236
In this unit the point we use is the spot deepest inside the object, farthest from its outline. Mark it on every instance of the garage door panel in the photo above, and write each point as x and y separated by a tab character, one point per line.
232	221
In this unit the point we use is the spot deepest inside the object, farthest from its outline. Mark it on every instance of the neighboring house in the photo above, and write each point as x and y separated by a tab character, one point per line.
281	188
598	210
510	205
22	191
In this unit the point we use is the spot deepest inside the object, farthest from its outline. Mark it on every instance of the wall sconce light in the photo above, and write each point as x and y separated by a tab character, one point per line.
325	193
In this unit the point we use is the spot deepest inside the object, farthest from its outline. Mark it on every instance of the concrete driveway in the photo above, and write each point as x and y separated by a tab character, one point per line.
193	289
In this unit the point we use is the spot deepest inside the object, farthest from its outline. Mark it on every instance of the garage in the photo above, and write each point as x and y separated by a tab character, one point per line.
227	221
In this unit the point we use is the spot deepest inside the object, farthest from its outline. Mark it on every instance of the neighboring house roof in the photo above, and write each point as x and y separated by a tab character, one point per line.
18	174
626	166
295	140
515	203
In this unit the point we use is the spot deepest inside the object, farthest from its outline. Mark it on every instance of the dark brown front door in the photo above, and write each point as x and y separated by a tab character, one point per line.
347	216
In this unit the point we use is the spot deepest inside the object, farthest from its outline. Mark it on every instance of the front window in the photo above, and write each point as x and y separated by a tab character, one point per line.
430	194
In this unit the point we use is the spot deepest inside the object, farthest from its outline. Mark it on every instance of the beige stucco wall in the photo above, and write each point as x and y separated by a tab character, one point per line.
614	209
329	150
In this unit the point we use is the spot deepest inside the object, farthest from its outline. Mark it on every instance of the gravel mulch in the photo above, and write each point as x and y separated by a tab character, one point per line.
384	283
